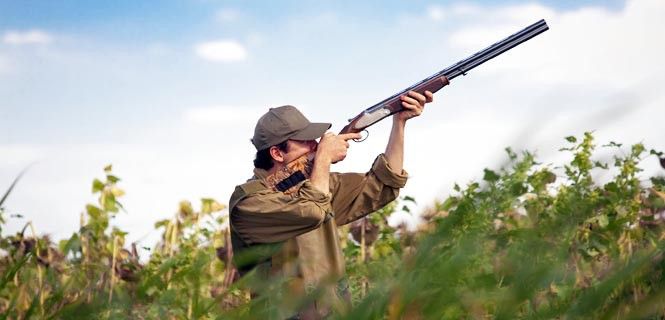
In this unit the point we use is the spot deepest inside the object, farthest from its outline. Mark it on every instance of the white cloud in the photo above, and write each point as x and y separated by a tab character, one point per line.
466	9
488	28
227	15
436	13
584	47
222	51
27	37
221	115
21	156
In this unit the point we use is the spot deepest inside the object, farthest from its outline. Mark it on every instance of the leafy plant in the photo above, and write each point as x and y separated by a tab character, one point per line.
528	241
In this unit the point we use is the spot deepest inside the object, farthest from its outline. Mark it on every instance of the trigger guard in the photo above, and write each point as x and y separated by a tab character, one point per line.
363	138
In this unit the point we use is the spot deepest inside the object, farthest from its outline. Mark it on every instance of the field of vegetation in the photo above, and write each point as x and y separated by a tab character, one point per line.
528	241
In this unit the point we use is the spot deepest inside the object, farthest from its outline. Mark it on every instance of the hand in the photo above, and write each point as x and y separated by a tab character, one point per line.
333	147
413	104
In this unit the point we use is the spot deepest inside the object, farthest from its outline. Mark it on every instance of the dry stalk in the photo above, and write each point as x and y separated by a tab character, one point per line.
189	307
40	275
229	275
363	254
113	258
171	240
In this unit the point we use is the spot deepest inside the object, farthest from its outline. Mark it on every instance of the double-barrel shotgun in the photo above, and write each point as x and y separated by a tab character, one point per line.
299	169
433	83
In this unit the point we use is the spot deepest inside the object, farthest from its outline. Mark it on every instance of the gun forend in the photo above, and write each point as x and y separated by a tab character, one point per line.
391	106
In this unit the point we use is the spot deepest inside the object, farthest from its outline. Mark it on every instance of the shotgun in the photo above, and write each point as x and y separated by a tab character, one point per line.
433	83
299	169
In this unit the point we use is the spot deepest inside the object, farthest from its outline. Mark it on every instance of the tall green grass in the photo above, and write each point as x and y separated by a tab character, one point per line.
528	241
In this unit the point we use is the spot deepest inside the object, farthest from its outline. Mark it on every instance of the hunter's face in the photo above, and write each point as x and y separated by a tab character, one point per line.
298	148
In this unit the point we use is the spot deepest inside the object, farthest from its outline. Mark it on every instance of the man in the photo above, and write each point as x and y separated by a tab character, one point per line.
303	219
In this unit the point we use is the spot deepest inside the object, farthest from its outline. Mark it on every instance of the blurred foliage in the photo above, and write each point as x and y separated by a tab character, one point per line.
93	275
528	241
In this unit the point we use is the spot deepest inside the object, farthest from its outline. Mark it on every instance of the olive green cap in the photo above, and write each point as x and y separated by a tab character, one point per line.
284	123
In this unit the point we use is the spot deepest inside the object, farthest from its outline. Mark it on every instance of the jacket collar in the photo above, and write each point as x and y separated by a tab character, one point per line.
260	173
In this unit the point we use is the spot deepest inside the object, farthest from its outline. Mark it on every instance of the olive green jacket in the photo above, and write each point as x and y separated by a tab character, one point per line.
305	222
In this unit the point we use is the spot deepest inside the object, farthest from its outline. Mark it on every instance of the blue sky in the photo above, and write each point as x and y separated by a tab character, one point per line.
69	14
169	93
62	91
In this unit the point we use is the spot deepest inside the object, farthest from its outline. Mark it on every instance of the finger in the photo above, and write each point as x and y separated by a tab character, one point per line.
429	95
412	108
349	136
327	135
410	101
418	96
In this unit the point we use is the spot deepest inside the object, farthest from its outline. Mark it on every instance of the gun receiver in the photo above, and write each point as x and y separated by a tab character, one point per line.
392	104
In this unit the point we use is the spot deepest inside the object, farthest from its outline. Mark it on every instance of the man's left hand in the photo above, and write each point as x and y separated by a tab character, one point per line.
413	104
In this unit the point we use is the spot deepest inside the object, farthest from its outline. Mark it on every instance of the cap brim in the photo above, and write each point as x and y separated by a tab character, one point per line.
312	131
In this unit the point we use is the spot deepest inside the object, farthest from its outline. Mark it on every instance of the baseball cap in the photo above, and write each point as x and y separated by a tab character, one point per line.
284	123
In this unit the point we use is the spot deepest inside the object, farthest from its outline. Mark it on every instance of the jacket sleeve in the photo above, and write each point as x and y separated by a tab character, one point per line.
268	216
354	195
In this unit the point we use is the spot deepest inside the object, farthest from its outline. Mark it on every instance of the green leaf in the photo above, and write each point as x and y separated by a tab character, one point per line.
409	198
613	144
93	211
603	221
108	168
490	176
118	232
637	149
517	189
11	187
571	139
206	205
601	165
71	245
511	154
449	203
109	203
112	178
161	223
12	269
592	252
97	186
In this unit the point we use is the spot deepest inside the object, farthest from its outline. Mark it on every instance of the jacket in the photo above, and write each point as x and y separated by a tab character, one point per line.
304	224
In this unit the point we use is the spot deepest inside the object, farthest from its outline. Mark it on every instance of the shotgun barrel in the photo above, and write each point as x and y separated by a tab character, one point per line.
494	50
392	104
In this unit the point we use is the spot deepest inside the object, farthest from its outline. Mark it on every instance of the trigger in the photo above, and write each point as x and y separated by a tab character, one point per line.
363	138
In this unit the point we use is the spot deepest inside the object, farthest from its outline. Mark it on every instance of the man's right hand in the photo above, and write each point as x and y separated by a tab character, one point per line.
333	147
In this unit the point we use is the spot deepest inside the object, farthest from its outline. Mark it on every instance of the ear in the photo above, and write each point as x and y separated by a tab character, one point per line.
276	154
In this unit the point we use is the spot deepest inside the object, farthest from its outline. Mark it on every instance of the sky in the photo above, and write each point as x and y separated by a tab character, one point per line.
169	92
